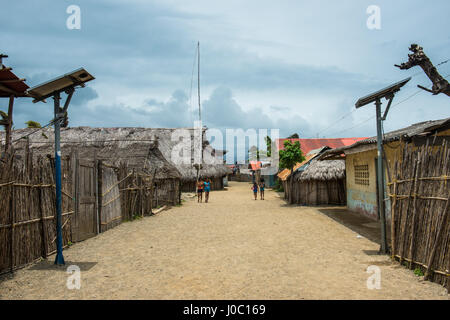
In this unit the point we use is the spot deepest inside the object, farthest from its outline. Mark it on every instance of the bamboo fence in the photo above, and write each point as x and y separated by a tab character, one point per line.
109	197
140	192
137	193
27	209
419	193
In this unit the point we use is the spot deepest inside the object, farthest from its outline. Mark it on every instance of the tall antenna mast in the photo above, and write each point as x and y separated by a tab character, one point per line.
198	84
198	167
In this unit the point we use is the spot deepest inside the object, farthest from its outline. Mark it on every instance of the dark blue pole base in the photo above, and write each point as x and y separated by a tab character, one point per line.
59	260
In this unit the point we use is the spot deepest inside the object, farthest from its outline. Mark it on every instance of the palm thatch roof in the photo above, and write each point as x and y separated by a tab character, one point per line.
145	157
123	143
323	170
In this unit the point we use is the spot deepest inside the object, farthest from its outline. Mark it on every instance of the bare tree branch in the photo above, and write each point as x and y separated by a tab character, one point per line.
419	58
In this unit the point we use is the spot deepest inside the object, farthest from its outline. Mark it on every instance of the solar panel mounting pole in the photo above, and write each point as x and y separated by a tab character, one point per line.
59	260
380	177
52	89
386	93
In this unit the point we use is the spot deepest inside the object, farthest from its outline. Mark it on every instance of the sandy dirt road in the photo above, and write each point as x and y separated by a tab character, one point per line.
231	248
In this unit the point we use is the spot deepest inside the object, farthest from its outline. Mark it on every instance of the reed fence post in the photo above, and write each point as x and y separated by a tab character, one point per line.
100	195
413	222
13	211
179	191
153	190
77	196
394	203
141	195
441	227
406	214
42	209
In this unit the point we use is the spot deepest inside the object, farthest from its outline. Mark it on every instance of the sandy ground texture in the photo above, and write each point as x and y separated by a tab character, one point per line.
231	248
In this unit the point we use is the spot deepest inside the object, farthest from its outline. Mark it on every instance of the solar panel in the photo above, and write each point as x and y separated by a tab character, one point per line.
383	93
47	89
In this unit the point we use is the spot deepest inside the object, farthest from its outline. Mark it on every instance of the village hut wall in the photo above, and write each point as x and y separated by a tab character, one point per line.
109	197
269	180
243	176
321	183
146	180
361	182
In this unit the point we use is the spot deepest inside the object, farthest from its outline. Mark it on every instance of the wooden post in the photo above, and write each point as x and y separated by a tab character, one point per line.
154	190
441	227
179	191
413	222
70	174
141	195
100	195
77	197
42	209
9	125
13	211
394	203
406	214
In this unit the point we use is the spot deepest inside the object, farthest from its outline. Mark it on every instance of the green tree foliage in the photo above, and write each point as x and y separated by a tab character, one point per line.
33	124
289	157
269	146
294	136
4	115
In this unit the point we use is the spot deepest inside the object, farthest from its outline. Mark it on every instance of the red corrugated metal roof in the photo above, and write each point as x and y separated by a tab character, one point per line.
255	165
311	144
12	85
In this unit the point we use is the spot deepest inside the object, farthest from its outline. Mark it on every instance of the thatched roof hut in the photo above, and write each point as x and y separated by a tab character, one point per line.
127	141
144	157
320	183
323	170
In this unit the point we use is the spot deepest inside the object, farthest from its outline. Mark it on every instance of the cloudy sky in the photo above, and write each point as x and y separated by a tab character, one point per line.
297	65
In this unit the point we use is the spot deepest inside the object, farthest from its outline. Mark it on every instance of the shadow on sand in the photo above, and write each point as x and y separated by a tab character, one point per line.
49	265
362	225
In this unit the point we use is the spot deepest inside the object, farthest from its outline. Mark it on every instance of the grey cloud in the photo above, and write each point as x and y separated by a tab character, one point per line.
83	96
278	108
151	45
173	113
142	45
222	111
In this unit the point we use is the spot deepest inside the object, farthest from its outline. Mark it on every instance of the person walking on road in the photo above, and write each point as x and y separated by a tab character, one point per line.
200	186
255	190
207	189
262	185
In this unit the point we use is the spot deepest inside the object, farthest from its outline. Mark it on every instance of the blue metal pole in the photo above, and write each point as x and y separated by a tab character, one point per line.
59	260
380	179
